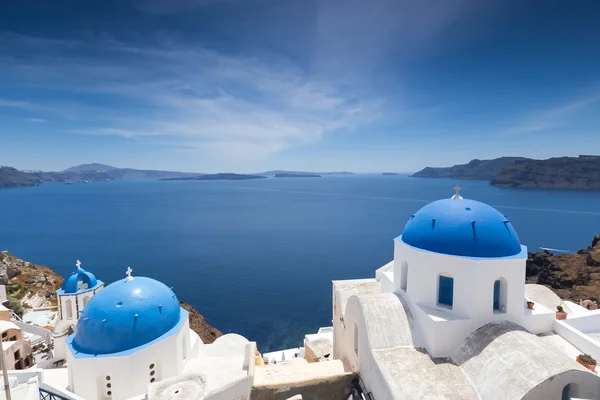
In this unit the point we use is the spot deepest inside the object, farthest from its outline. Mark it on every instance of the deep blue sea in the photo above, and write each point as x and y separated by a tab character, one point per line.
258	257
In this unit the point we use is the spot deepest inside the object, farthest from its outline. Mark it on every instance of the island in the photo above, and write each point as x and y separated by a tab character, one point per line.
11	177
582	172
390	174
216	177
279	171
475	169
297	175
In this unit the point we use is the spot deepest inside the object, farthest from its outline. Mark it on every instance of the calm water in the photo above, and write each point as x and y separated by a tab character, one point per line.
258	257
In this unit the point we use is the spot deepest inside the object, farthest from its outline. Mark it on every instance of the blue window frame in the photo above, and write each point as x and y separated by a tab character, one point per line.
445	290
496	295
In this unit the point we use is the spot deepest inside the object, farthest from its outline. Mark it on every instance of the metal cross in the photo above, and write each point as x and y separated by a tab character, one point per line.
457	190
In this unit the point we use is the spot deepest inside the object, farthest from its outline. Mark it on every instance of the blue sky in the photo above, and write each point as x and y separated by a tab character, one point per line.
251	85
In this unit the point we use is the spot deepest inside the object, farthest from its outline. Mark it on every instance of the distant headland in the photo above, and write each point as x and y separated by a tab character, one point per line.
216	177
12	177
389	173
581	172
297	175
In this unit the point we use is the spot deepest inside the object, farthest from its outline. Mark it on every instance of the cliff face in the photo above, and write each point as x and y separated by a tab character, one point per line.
475	169
570	276
581	172
198	324
36	285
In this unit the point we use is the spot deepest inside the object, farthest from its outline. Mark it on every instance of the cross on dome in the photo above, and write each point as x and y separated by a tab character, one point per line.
78	264
128	273
457	195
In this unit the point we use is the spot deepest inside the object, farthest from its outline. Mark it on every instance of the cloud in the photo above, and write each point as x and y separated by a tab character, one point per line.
37	120
552	118
193	96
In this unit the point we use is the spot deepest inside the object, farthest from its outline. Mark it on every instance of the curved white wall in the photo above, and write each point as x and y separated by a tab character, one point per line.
129	375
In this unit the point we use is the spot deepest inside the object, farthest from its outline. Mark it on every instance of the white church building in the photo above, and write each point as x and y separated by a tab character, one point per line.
448	317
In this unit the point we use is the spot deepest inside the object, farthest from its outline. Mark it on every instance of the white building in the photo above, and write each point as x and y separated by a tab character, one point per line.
448	317
74	294
132	340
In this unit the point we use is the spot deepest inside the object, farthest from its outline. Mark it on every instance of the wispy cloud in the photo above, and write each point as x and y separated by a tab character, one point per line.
37	120
200	98
554	117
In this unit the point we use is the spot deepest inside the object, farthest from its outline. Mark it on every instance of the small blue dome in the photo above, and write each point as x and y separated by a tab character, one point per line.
462	227
126	314
71	284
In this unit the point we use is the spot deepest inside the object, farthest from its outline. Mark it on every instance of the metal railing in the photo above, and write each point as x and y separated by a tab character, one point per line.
46	395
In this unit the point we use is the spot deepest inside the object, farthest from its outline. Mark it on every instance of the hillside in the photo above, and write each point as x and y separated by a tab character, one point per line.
35	286
11	177
570	276
581	172
475	169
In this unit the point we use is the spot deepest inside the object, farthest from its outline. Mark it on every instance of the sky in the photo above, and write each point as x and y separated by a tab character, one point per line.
316	85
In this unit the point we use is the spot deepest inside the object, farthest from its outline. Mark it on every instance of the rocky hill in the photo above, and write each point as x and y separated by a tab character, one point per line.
581	172
35	286
570	276
11	177
475	169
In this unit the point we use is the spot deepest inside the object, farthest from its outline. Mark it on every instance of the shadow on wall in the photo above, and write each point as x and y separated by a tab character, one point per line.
337	388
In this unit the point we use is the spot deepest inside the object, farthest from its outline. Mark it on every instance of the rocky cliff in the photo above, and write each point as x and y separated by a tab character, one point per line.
570	276
475	169
35	286
581	172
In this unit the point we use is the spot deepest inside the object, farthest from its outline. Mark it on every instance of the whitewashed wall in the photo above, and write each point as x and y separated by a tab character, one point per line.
129	375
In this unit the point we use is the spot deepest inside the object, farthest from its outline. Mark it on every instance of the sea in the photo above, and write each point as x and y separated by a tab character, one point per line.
258	257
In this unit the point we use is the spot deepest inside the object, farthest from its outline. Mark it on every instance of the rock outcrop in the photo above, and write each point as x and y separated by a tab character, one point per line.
570	276
198	324
476	169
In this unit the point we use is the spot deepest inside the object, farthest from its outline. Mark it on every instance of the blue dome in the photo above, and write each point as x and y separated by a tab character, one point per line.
71	284
463	227
126	314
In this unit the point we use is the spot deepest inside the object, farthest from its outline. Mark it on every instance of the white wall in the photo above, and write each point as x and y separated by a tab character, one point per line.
129	375
578	339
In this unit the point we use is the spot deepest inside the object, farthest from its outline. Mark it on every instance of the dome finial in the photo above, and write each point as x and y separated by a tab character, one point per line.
128	273
457	195
78	264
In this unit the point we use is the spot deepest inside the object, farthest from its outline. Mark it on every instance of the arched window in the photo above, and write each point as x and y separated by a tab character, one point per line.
445	290
570	391
500	293
69	307
403	275
85	300
356	339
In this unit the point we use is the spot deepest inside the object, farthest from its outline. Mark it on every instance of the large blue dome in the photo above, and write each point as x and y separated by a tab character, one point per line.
126	314
462	227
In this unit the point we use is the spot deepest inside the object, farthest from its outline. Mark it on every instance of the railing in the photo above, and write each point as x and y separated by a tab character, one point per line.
46	395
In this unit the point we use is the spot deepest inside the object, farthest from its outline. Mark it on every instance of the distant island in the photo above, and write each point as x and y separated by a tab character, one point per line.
297	175
390	173
11	177
216	177
581	172
278	171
